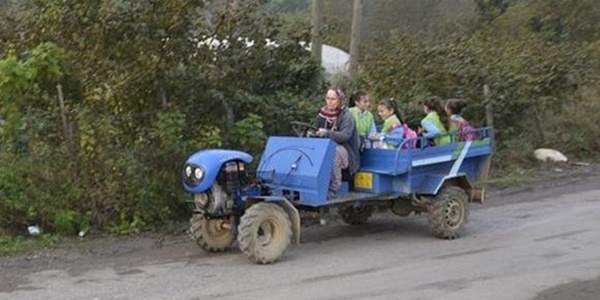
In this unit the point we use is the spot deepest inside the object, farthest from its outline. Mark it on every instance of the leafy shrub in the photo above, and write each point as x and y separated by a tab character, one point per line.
530	80
95	126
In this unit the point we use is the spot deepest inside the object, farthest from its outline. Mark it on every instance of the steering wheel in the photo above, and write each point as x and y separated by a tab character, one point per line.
303	129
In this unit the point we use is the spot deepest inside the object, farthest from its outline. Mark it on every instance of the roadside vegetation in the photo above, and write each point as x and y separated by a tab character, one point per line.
101	101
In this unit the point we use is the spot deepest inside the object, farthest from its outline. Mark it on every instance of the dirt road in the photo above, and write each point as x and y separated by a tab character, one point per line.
536	242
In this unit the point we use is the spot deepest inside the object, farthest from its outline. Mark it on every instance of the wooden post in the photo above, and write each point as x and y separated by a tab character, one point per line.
489	113
537	114
317	24
68	133
63	117
489	122
489	109
355	37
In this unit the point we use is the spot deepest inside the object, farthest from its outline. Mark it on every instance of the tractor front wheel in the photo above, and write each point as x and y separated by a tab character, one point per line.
211	235
265	232
449	213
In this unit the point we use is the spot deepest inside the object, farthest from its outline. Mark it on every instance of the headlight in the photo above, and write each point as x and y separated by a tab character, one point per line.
193	174
198	173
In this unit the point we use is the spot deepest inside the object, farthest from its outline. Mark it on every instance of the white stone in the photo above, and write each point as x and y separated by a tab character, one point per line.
33	230
544	154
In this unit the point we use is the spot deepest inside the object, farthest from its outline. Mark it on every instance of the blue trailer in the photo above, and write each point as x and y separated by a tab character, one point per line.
262	210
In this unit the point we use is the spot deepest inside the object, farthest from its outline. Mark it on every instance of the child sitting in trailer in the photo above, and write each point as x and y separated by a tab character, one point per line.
460	126
436	125
394	130
359	107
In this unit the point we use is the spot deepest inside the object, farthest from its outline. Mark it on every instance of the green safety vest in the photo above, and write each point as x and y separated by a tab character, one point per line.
363	121
387	124
443	138
391	123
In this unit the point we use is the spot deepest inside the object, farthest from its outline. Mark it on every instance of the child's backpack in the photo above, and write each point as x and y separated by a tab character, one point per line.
466	132
411	135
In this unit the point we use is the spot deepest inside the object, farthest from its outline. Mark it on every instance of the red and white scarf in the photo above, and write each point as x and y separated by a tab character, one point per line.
330	116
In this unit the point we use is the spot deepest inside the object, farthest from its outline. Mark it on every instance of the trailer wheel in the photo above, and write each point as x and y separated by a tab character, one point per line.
211	235
264	233
355	215
449	213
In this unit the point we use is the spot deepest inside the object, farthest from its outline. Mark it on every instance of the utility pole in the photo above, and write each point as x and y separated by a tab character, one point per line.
317	24
355	37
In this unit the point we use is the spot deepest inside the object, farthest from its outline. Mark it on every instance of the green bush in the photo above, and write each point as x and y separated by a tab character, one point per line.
32	191
531	83
95	126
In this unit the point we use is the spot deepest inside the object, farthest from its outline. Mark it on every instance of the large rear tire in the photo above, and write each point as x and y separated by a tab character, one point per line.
355	215
449	213
265	232
211	235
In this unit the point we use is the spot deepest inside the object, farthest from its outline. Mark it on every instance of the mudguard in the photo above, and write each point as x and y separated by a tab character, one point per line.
212	160
433	183
289	208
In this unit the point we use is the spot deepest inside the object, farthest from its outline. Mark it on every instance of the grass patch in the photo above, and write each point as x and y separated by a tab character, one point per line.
542	172
10	245
516	179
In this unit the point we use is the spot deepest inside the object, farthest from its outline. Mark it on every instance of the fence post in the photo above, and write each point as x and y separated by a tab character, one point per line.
489	122
489	112
67	130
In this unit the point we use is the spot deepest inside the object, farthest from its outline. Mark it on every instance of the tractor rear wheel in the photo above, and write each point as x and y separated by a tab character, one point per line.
211	235
355	215
265	232
449	213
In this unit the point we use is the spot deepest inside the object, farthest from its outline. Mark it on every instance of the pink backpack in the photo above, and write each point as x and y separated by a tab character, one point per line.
466	132
409	134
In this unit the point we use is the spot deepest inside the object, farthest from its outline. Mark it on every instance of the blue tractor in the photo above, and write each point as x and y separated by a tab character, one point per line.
263	209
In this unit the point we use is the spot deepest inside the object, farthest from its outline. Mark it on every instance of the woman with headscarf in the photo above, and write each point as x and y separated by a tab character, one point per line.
336	122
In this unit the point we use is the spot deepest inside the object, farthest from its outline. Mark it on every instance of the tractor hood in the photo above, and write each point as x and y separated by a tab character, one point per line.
209	162
299	168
